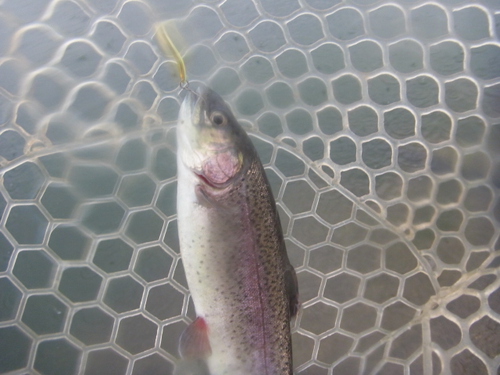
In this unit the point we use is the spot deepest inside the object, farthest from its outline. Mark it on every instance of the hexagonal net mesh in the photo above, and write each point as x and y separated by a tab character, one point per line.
378	125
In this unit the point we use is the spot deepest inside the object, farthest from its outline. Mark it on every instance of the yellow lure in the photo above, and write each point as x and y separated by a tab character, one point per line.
169	48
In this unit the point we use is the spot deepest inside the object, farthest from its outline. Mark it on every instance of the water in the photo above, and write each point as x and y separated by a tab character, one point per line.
378	126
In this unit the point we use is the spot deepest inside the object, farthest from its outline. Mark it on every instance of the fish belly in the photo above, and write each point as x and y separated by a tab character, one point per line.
234	259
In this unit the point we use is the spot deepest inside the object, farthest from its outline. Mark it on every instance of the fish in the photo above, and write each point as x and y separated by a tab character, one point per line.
243	286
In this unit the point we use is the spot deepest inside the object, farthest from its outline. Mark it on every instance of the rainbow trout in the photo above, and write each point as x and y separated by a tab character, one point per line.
243	286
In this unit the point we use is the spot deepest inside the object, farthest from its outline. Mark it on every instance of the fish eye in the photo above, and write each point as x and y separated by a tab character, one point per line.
218	118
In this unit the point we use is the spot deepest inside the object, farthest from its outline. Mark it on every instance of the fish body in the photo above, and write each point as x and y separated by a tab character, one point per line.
242	284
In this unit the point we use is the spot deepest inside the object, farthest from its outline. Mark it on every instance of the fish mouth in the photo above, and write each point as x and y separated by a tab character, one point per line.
190	104
194	101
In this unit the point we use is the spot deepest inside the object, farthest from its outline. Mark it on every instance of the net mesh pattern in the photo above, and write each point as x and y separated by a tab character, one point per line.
378	124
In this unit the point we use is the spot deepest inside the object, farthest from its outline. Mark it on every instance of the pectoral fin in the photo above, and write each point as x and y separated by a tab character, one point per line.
194	341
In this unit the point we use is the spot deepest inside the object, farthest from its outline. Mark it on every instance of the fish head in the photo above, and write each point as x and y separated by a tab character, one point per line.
211	142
